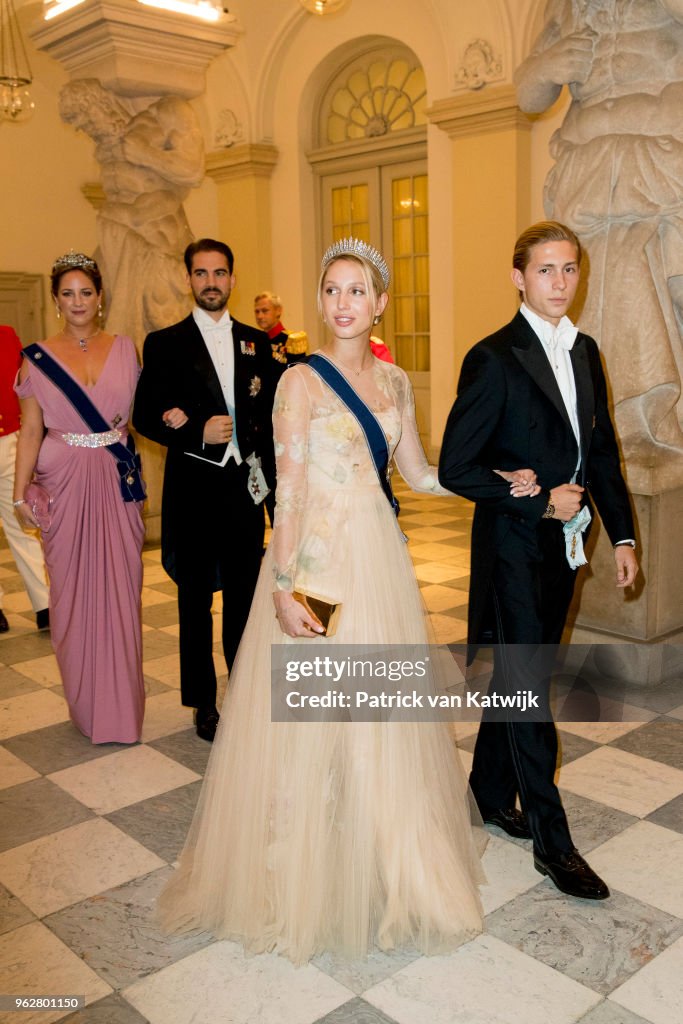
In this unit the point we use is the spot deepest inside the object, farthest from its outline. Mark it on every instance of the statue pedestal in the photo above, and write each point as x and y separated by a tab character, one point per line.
644	629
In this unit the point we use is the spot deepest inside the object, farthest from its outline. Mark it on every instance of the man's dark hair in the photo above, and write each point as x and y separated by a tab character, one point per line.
207	245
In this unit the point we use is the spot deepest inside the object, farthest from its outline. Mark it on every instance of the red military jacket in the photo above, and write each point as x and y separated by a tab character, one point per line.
10	361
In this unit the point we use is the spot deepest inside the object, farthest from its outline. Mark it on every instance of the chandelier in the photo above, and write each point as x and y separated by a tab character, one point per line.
15	71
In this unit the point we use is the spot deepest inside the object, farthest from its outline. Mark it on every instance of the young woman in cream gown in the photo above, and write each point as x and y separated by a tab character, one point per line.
342	836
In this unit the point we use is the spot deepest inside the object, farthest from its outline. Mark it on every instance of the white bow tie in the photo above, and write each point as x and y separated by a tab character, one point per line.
562	336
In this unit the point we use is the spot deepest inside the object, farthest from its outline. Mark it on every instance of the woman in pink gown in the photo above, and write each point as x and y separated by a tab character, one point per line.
94	541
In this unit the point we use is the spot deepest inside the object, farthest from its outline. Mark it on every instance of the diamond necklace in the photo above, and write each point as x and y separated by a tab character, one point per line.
83	342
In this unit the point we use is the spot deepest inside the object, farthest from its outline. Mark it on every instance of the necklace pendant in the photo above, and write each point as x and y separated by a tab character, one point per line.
83	344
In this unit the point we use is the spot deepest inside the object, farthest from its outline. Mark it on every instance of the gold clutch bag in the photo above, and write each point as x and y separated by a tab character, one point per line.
326	612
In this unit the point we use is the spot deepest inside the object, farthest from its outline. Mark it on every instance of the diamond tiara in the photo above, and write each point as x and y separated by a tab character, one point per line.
73	260
354	247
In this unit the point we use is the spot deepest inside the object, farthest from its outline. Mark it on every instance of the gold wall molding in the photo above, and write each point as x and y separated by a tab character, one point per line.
493	108
253	159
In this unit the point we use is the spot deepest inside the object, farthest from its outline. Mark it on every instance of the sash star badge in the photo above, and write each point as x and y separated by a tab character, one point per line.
254	386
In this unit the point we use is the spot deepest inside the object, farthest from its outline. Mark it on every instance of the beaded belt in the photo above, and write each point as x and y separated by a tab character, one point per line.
92	440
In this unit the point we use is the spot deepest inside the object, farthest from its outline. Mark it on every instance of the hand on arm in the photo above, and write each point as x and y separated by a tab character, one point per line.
470	440
522	482
163	409
627	565
174	418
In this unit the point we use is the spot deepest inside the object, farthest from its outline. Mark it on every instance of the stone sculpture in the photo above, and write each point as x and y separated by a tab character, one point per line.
150	159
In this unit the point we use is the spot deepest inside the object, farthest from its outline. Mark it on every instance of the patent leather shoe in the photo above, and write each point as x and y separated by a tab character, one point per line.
4	624
43	618
206	721
571	874
510	820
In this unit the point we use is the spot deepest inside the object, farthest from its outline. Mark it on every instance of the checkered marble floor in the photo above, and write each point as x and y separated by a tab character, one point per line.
88	836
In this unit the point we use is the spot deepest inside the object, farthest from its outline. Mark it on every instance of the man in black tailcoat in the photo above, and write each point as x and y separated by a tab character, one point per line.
206	394
533	395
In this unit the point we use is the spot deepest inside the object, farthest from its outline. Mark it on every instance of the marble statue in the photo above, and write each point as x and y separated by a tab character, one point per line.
618	182
150	159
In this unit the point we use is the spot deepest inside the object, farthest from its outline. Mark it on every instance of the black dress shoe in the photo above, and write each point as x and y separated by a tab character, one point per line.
43	618
206	721
572	875
510	820
4	624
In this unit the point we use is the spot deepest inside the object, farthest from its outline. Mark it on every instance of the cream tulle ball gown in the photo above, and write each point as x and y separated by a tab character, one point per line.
342	836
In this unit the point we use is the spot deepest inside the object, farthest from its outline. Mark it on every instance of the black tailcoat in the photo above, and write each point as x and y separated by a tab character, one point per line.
509	415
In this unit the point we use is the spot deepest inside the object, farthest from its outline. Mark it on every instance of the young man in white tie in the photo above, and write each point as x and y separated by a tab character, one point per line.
533	394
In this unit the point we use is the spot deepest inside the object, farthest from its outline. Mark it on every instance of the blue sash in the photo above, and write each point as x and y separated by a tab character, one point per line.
127	459
374	435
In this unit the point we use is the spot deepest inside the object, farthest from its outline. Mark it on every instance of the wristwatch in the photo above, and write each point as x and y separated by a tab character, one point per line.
549	511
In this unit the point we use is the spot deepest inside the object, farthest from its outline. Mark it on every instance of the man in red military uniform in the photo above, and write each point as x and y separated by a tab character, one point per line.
288	346
25	547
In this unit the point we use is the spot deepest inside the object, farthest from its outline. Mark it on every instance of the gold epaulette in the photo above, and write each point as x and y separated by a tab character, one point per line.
297	343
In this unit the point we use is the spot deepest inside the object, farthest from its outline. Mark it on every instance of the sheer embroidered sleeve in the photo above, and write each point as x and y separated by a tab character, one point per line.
409	455
291	420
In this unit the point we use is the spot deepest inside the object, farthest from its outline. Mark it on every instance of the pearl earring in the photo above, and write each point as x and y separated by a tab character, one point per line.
58	312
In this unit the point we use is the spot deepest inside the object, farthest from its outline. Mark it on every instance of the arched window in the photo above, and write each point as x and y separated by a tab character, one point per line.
373	97
370	133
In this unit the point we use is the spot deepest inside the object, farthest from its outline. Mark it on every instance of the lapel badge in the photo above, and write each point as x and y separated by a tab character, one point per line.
248	348
254	386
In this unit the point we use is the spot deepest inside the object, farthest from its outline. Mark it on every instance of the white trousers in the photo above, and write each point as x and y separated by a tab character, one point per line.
25	547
